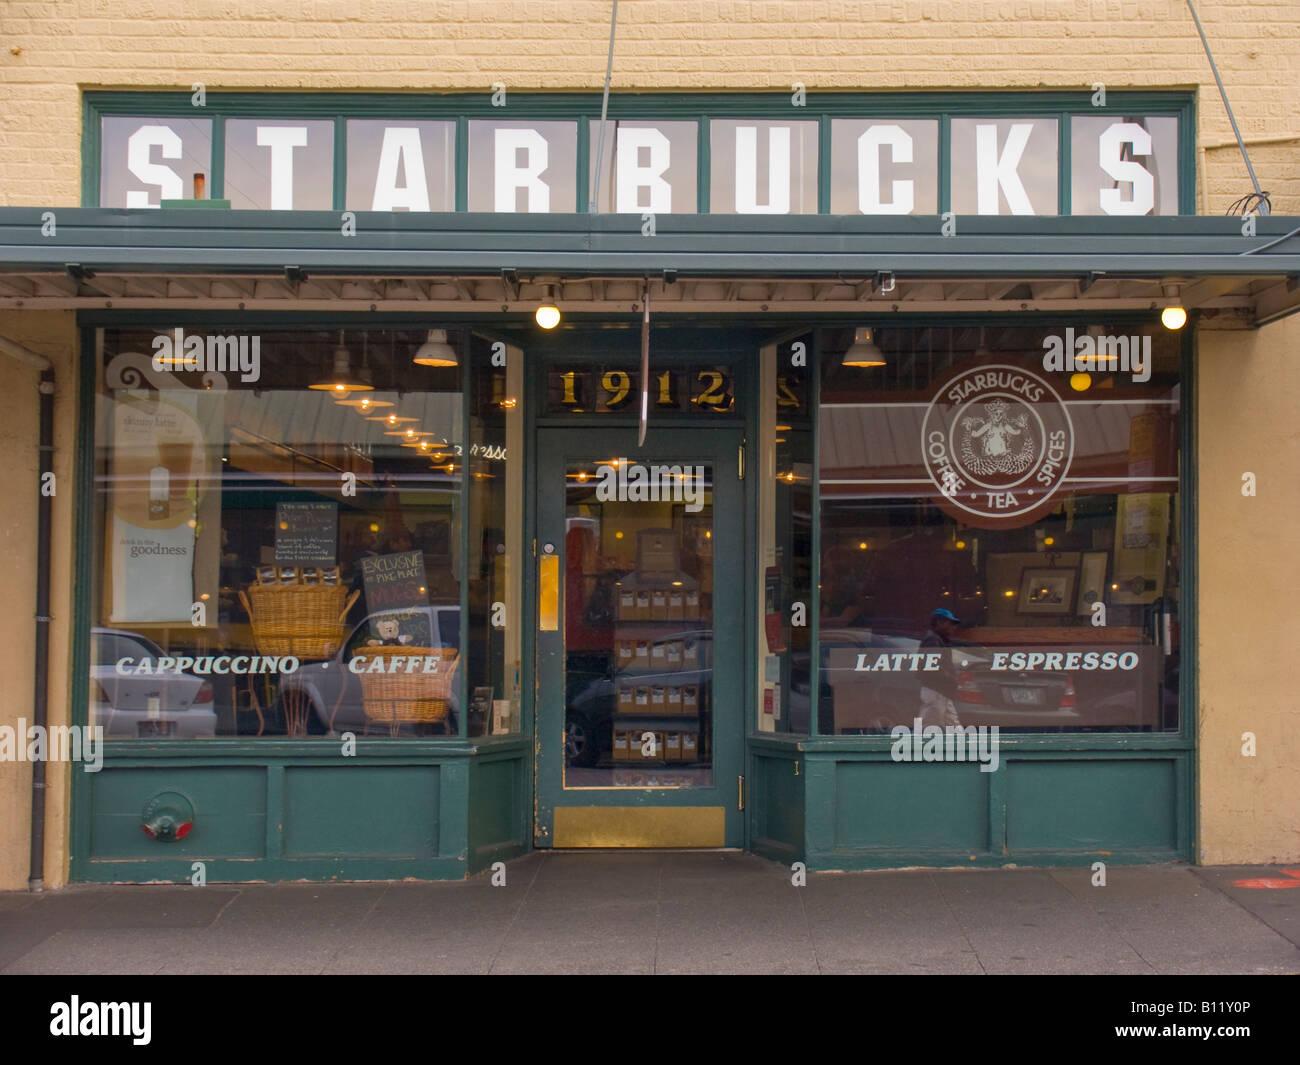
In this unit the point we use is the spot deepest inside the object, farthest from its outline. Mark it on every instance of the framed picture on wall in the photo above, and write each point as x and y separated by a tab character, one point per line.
1092	580
1046	591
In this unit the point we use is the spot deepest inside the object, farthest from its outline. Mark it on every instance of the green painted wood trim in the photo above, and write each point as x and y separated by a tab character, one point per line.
1016	743
463	496
340	163
584	176
1064	174
819	805
792	246
453	808
997	815
276	815
1189	609
83	519
1187	158
945	165
91	146
824	164
703	165
647	105
314	750
218	160
460	169
815	536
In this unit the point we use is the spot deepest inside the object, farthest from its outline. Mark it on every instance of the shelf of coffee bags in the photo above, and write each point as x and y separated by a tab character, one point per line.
675	742
638	650
658	699
656	602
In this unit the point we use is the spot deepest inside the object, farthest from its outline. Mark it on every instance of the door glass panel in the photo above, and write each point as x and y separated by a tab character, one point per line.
638	624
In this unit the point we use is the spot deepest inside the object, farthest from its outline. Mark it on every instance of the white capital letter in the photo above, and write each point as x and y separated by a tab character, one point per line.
138	148
510	177
282	140
869	201
401	145
631	177
992	170
778	171
1108	153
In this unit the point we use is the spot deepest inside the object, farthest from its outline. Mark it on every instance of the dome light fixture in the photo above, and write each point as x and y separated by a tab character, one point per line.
864	353
548	315
1174	316
435	351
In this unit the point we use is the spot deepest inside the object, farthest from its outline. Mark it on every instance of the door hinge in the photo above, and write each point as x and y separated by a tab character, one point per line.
740	793
740	463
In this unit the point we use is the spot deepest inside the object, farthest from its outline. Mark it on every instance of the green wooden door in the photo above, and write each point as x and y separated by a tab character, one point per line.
640	648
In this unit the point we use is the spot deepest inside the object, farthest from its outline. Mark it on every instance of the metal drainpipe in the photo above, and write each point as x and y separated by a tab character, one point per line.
40	686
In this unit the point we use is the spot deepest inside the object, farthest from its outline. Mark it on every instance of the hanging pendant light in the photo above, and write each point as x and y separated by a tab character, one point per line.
435	351
341	380
863	353
548	314
364	404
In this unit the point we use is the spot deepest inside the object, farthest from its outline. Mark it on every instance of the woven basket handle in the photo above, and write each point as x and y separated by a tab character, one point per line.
248	607
346	606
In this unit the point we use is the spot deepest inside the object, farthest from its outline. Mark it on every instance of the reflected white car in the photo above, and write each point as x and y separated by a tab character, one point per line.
158	706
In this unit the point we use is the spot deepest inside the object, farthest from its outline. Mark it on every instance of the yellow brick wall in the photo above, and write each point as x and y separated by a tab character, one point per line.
1249	573
52	50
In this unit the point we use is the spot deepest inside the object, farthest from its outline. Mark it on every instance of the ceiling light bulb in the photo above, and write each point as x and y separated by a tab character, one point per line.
548	315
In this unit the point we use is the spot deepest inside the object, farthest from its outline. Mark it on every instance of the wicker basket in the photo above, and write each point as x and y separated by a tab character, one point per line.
304	620
401	697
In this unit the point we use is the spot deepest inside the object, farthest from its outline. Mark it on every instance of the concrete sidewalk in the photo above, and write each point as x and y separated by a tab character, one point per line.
672	912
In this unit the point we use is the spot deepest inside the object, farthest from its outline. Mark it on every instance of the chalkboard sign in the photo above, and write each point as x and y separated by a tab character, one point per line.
306	534
394	581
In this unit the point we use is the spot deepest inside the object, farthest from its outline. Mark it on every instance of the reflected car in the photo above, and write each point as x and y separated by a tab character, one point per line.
334	691
876	702
161	705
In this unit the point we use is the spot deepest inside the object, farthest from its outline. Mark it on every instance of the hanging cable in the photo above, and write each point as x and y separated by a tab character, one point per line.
594	196
1262	196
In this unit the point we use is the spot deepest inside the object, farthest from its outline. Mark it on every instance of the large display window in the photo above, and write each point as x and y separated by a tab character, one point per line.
999	527
280	518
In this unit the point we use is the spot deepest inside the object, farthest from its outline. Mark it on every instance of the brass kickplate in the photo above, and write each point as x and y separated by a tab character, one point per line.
640	826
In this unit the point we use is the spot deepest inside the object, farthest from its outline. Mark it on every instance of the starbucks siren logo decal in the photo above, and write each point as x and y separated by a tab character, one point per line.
997	441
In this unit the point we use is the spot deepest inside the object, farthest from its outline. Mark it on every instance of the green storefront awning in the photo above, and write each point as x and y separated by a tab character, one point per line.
85	257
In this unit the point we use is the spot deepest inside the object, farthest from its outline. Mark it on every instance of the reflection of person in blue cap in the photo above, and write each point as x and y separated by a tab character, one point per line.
939	691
